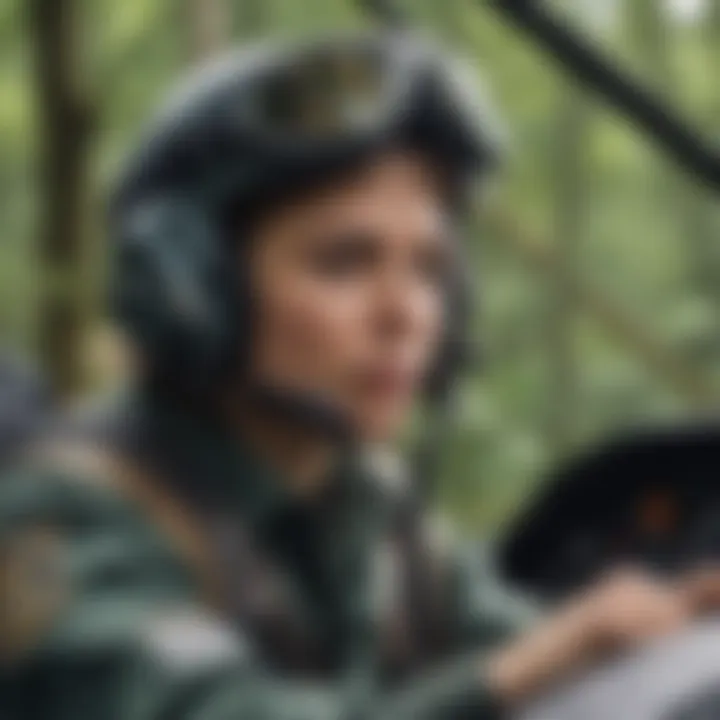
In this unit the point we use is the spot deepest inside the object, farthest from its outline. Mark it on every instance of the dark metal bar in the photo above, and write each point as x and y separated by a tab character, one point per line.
589	65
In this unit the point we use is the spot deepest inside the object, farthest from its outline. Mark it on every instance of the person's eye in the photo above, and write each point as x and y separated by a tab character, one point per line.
343	257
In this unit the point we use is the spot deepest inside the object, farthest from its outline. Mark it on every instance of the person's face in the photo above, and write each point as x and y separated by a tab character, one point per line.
349	286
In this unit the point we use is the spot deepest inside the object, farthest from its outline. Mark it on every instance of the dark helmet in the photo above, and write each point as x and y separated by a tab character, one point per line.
260	124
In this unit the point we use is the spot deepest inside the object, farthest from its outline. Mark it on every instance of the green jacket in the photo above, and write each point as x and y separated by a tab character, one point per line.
115	605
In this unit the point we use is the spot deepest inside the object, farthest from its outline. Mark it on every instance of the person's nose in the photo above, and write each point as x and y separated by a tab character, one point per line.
400	307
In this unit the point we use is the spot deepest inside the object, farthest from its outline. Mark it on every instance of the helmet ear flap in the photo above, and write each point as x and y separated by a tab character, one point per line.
172	289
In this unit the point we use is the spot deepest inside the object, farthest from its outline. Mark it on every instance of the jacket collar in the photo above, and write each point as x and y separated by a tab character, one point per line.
213	468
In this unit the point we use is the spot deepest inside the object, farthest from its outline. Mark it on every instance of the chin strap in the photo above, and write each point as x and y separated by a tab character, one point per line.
309	412
306	411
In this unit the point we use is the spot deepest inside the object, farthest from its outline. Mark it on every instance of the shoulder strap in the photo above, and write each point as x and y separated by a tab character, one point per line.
96	465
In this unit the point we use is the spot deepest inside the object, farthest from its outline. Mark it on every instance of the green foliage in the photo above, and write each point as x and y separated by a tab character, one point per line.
647	236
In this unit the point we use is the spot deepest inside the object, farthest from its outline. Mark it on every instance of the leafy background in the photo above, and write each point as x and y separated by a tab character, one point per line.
598	261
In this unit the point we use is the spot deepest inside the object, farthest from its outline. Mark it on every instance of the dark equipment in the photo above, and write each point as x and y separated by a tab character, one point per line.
651	498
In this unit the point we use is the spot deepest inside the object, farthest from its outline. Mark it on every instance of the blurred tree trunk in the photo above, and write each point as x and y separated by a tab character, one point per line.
649	35
689	201
706	222
650	39
713	40
209	24
569	200
65	129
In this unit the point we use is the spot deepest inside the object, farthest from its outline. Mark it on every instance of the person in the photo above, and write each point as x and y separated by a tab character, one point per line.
230	538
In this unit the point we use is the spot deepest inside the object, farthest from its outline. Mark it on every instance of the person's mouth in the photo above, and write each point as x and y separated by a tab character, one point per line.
387	381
